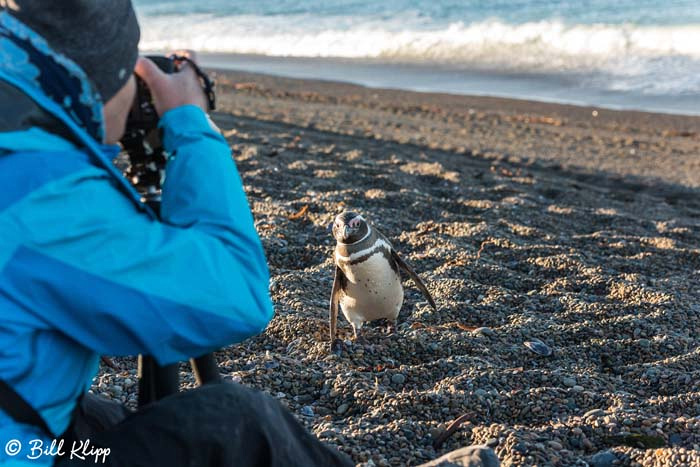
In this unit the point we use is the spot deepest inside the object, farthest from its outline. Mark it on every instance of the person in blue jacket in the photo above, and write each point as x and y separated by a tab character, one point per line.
86	269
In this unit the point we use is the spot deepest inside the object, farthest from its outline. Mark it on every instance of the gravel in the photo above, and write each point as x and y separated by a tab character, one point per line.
602	267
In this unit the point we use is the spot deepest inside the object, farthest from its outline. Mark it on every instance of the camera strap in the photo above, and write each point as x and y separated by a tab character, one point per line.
207	84
19	409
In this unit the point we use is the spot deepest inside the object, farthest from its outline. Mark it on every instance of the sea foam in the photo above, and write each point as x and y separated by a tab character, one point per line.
648	59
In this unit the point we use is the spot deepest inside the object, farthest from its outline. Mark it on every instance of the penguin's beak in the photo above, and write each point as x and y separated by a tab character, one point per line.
346	232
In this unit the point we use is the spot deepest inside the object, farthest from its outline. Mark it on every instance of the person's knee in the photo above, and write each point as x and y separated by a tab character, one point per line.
221	407
229	394
237	400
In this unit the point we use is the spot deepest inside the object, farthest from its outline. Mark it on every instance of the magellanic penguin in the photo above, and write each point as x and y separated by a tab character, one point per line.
367	283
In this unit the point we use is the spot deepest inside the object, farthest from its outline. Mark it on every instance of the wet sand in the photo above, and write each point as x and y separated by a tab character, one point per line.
575	226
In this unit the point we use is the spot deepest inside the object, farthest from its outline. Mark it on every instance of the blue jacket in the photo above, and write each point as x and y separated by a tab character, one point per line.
86	269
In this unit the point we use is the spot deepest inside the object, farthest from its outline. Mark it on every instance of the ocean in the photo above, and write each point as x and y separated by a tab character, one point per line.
626	54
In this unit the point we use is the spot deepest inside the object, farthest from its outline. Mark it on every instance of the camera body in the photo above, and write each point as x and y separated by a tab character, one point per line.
144	164
142	139
143	113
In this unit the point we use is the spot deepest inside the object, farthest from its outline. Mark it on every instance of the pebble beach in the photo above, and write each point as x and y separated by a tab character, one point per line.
561	245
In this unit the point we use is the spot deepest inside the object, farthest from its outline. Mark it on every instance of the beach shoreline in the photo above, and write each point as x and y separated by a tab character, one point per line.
575	226
567	88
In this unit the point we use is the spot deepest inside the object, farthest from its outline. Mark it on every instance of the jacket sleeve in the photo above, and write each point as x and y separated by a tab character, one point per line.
90	264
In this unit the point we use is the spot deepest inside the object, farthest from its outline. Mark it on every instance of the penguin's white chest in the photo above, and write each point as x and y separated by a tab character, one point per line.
373	291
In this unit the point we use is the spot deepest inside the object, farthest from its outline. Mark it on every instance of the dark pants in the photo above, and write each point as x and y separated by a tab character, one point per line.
213	425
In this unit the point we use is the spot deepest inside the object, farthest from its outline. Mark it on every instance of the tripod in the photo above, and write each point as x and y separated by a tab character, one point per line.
142	143
157	382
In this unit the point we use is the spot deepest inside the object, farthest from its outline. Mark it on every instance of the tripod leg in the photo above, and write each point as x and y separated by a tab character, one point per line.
156	382
147	392
205	369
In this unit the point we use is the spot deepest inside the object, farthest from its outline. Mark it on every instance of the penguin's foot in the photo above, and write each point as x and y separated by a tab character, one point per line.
359	338
337	346
391	328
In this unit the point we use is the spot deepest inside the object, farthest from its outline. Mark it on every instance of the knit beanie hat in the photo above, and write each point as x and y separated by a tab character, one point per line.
101	36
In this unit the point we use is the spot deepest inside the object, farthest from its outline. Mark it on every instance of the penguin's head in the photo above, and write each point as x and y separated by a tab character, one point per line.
349	227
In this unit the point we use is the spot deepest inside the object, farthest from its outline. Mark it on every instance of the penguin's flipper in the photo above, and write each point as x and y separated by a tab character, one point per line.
339	282
412	274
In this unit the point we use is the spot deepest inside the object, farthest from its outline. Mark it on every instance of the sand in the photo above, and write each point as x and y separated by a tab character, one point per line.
575	226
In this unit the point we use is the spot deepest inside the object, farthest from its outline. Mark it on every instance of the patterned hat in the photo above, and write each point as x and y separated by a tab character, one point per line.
101	36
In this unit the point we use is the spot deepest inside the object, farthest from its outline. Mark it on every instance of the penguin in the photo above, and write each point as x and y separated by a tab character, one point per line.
367	283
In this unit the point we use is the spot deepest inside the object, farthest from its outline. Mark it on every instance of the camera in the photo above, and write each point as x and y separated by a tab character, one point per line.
144	164
142	143
143	116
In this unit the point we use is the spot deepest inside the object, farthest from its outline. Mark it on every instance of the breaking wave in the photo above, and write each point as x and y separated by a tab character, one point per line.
662	60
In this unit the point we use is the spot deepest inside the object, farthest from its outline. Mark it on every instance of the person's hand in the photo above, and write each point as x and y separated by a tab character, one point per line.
172	90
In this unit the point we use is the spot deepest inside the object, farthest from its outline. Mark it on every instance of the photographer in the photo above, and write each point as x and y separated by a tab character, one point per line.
86	269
